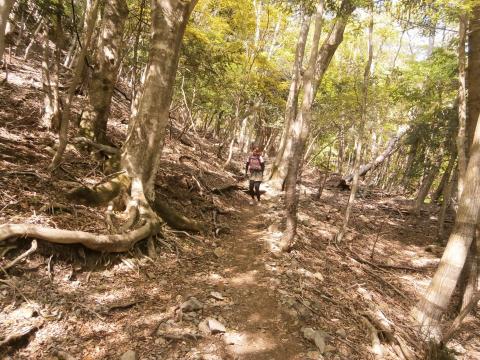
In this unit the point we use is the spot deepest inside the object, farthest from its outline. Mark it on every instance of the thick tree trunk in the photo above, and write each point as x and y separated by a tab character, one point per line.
469	277
143	147
434	302
93	123
389	150
279	166
473	76
5	8
300	127
363	120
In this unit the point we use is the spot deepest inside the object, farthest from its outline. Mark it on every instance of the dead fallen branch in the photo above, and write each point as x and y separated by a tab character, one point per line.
32	249
186	336
386	266
226	189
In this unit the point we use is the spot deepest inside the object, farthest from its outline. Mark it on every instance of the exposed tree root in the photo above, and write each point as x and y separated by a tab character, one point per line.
176	220
32	249
99	242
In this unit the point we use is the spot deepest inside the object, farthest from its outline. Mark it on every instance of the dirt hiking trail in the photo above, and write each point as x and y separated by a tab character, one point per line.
261	327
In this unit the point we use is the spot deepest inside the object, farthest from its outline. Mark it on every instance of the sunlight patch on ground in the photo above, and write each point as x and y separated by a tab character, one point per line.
112	296
247	343
420	284
272	241
248	278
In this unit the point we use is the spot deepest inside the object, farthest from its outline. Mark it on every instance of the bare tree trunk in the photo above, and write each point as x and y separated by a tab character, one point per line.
462	104
5	8
93	123
341	148
434	302
425	186
135	50
473	76
410	161
300	127
445	176
51	113
76	77
447	200
33	38
363	120
292	103
469	277
143	147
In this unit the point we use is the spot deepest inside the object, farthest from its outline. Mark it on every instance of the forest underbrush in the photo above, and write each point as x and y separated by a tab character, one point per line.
224	292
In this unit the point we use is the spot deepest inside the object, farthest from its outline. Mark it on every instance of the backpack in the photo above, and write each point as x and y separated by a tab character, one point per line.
254	163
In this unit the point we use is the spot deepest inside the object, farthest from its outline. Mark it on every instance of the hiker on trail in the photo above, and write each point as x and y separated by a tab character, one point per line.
256	166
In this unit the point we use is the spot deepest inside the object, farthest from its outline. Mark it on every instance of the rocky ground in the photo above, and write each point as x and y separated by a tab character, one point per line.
229	295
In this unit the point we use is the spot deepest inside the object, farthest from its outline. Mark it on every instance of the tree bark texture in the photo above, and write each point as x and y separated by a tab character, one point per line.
300	127
284	148
51	99
473	76
146	133
101	83
462	103
5	9
325	55
434	302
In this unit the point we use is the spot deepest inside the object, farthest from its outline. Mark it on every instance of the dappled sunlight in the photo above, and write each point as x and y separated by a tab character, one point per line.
243	343
247	278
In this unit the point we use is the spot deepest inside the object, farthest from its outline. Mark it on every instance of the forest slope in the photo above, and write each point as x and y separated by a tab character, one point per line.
70	301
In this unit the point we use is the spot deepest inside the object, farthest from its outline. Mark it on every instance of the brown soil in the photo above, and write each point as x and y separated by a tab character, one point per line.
89	305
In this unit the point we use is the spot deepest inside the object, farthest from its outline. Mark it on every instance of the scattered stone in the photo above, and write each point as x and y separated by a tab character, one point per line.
330	348
314	355
306	222
216	295
203	327
215	326
160	341
317	336
341	332
365	293
273	228
219	252
129	355
318	276
191	304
